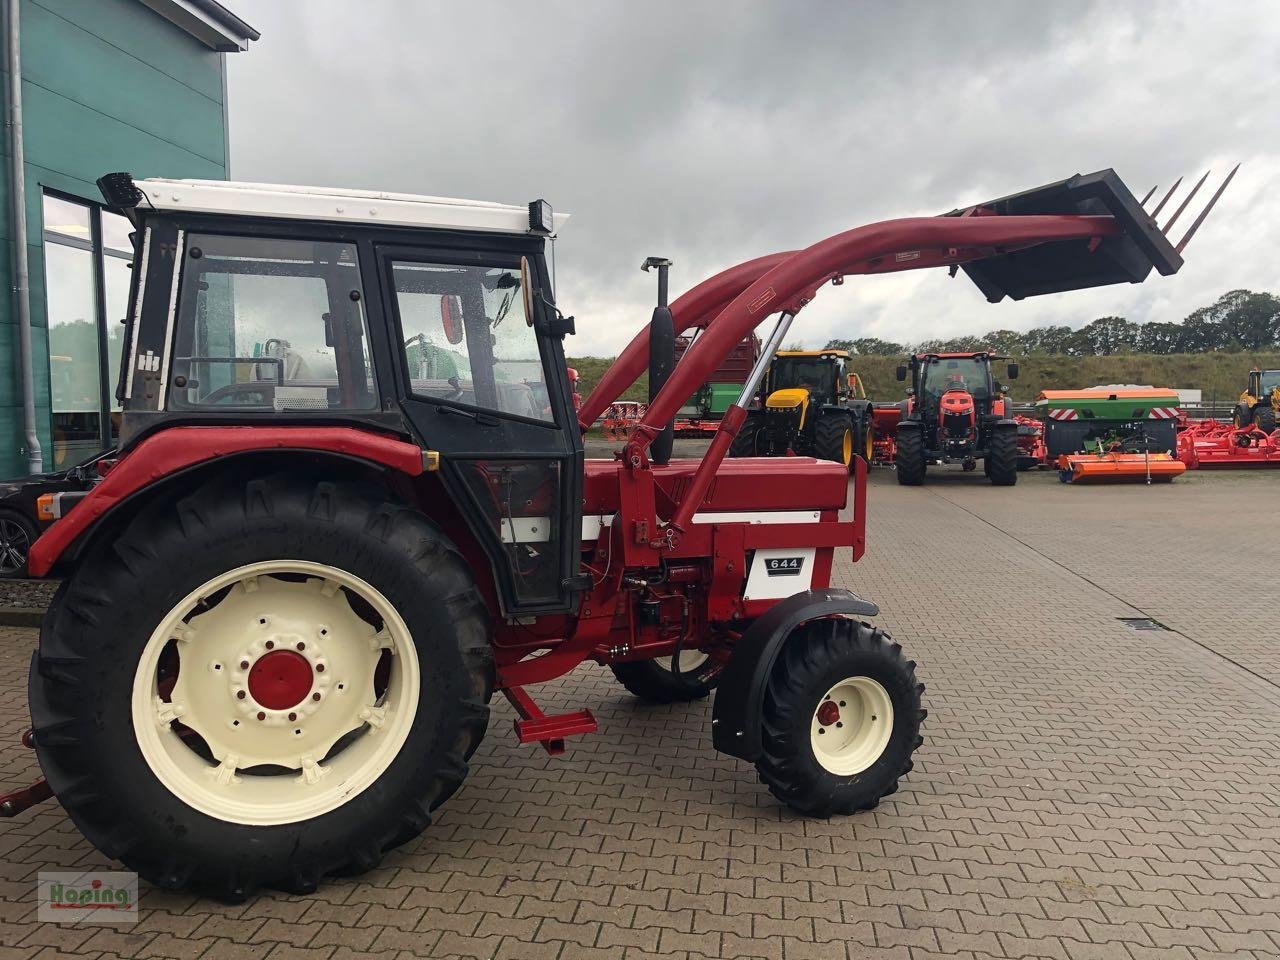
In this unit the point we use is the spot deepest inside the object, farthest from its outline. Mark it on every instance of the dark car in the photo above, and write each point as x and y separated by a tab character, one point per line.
21	520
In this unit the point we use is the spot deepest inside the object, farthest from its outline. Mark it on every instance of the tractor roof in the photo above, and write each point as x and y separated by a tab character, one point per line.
975	355
340	204
841	354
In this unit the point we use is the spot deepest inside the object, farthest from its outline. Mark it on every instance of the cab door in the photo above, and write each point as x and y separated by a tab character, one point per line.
483	380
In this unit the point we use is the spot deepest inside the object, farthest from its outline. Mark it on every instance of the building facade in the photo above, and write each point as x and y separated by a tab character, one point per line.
133	85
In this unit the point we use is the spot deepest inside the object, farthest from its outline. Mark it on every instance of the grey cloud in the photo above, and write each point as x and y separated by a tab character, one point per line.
715	131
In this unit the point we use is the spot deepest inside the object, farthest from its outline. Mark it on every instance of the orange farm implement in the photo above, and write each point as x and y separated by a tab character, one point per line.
1214	444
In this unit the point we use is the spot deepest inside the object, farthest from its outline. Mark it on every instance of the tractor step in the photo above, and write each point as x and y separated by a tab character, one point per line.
534	726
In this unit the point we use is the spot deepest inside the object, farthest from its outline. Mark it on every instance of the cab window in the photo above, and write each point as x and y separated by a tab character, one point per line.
467	339
272	325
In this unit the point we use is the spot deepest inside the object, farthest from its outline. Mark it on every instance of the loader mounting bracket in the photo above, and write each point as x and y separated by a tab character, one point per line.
735	718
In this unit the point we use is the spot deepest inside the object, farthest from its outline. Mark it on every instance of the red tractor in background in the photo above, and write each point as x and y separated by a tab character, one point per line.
956	411
350	504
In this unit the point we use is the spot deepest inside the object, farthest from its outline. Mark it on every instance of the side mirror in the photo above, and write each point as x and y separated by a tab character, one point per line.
1013	371
900	373
451	317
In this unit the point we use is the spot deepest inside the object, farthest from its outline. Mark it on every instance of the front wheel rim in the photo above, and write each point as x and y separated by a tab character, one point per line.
846	447
14	545
851	726
275	692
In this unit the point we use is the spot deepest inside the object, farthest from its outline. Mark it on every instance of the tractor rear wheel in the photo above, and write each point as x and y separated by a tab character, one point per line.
1264	418
833	437
746	443
1002	458
842	717
261	684
908	459
658	682
1242	416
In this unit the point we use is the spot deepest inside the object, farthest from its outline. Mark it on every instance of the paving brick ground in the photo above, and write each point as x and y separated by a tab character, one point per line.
1085	790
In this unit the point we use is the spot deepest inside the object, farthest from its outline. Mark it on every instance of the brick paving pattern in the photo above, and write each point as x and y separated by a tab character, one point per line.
1085	790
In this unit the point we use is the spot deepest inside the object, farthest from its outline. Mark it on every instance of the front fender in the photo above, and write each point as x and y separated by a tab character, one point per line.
735	723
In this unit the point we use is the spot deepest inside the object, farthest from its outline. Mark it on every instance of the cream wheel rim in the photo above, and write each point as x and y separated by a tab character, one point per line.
690	661
851	726
287	702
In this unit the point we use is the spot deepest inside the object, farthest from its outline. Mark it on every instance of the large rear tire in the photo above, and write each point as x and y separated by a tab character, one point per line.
1002	458
833	437
657	682
908	459
261	684
842	717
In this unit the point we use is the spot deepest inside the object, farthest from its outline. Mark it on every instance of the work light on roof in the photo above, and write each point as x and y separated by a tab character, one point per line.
540	219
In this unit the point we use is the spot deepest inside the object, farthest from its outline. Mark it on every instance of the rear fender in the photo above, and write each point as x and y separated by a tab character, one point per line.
166	454
736	716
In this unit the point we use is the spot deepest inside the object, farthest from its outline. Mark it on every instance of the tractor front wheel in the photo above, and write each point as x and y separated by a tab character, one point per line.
689	676
842	718
746	443
833	438
908	459
261	684
1002	458
1264	418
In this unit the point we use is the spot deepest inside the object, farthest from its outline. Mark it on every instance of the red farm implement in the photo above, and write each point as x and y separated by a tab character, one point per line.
339	522
1212	444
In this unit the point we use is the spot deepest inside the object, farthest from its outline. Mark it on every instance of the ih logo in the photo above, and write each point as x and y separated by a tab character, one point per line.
148	362
784	566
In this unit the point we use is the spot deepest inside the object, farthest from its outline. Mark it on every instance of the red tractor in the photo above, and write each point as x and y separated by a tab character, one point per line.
955	411
350	504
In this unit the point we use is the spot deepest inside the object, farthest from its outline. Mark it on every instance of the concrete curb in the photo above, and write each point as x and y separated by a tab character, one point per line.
21	616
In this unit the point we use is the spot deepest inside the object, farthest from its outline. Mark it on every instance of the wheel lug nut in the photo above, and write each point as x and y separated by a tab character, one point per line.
319	668
244	664
293	717
316	695
239	694
302	646
270	644
261	715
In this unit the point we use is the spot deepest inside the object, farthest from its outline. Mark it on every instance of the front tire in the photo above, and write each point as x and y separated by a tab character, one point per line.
908	459
163	693
657	682
1264	418
746	443
1002	458
842	718
833	438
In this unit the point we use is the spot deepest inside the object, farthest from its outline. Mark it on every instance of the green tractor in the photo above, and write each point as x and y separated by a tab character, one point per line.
810	405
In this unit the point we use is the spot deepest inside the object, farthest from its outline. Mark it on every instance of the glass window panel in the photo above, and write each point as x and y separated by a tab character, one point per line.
74	373
271	324
115	233
66	218
116	276
466	338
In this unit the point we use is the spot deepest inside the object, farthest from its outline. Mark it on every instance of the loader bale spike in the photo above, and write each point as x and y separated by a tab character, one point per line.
1205	212
1149	195
1182	206
1160	206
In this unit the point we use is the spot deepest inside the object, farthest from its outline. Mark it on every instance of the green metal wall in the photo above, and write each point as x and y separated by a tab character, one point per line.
107	85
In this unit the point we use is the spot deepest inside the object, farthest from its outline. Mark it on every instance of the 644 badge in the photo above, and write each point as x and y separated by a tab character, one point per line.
784	566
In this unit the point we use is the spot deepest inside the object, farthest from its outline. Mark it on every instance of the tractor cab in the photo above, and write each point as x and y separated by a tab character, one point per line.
955	405
818	374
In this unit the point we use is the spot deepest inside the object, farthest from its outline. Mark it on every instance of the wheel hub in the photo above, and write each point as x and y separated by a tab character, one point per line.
828	713
851	725
280	679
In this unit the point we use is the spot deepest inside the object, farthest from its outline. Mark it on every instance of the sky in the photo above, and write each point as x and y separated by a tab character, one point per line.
714	131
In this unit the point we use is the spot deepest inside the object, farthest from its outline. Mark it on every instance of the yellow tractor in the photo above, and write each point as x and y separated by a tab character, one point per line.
1259	405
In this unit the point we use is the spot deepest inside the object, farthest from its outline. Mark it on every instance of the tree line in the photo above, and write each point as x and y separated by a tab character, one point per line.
1240	320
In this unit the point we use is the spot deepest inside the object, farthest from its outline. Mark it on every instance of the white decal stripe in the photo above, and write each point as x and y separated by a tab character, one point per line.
143	262
592	524
168	327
